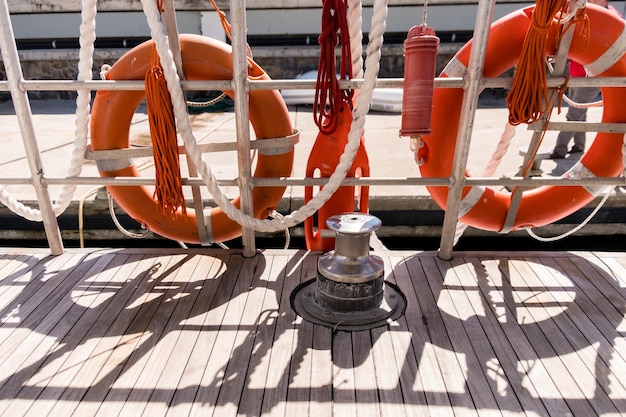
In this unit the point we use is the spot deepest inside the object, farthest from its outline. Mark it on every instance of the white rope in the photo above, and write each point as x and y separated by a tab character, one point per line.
121	228
81	219
355	22
575	229
578	5
425	14
207	103
501	149
276	214
180	111
607	194
573	103
85	64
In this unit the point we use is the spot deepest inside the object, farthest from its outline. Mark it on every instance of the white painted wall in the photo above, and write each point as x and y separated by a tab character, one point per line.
211	26
287	21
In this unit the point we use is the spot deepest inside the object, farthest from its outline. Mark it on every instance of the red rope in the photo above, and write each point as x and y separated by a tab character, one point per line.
328	95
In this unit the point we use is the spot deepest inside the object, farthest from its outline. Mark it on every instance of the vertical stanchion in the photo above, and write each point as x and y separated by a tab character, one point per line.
484	16
174	42
25	119
242	111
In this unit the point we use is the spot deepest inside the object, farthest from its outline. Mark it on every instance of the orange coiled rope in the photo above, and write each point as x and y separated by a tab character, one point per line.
528	99
328	95
168	186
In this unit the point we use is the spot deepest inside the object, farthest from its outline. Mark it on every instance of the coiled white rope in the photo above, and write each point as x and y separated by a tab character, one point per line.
180	111
87	40
355	22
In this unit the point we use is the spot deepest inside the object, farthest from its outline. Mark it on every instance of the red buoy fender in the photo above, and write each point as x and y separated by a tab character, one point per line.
600	48
323	160
203	59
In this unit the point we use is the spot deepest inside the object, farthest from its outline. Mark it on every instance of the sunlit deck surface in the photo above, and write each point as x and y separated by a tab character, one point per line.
151	332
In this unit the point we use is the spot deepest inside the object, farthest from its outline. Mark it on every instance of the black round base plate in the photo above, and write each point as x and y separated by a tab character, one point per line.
304	304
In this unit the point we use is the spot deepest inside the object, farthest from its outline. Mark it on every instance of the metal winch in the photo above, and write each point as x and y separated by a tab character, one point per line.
350	291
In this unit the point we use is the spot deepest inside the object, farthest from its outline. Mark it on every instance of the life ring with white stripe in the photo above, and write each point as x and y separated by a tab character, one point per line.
602	54
203	59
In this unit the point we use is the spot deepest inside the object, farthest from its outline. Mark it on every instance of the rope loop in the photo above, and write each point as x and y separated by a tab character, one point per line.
576	16
145	231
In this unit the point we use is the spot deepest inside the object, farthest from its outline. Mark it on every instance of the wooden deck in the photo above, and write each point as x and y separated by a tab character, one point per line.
207	332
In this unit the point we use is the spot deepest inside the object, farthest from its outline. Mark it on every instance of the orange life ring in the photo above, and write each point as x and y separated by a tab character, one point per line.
203	59
602	53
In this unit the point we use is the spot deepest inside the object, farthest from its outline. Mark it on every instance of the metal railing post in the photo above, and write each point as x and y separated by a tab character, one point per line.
484	16
25	120
242	112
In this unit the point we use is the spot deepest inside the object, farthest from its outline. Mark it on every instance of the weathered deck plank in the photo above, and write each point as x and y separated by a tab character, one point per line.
525	339
301	376
482	337
58	316
568	371
205	332
427	391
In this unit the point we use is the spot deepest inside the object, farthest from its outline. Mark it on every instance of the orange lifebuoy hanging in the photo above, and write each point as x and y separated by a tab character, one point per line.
203	59
600	47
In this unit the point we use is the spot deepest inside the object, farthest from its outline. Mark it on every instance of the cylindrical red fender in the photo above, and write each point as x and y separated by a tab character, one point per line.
600	48
203	59
420	65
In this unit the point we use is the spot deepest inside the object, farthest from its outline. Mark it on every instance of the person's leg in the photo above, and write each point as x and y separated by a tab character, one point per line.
579	143
563	138
575	114
560	149
582	95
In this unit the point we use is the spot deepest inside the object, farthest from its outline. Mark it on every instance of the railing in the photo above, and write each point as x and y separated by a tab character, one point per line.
241	85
